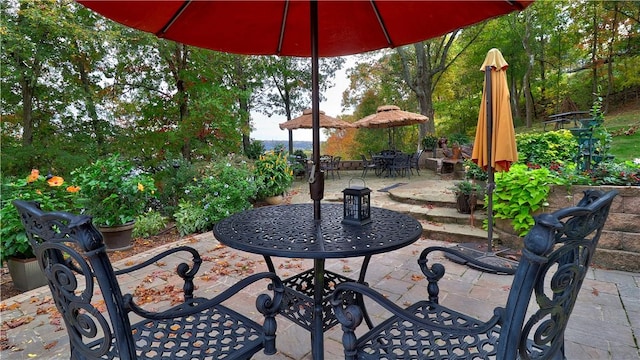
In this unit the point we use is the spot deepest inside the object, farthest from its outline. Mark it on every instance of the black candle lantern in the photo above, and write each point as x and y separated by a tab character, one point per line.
357	205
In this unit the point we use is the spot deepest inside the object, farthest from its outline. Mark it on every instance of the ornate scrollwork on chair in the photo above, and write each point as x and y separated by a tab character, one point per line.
556	255
73	257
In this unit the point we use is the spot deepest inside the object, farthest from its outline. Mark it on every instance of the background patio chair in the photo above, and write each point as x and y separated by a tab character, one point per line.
368	164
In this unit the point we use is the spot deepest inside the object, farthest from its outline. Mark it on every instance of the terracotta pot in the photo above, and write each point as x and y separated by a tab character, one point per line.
26	273
274	200
118	237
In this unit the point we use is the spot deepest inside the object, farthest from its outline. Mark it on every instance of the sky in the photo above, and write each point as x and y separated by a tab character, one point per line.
266	128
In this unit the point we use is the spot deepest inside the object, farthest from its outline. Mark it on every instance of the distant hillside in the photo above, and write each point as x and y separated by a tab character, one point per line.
302	145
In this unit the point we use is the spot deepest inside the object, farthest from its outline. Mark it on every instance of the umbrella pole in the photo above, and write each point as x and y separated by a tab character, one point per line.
316	179
490	173
466	253
290	141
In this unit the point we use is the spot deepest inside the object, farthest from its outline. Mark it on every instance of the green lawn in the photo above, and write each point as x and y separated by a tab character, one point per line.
624	147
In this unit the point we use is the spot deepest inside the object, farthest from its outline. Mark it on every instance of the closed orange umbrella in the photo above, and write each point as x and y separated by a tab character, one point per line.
494	148
502	149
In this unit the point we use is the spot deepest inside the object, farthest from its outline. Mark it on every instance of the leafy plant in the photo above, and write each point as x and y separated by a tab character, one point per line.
255	149
51	192
467	187
273	173
546	148
149	224
172	179
113	191
458	138
473	171
224	189
519	193
190	218
429	142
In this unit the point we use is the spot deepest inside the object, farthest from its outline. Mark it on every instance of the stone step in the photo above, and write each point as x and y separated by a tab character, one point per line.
457	233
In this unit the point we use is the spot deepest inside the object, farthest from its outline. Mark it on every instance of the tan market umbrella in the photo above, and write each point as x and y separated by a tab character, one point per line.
495	144
305	122
501	145
388	116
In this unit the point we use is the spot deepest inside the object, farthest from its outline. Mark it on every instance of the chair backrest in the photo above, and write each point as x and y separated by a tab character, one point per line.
365	162
72	255
556	255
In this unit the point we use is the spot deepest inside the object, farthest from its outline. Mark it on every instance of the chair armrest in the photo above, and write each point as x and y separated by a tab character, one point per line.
267	305
351	316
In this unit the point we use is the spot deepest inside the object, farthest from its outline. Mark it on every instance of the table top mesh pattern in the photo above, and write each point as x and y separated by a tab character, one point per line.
290	230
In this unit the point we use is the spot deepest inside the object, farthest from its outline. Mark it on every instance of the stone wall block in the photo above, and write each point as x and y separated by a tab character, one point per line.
611	240
630	242
623	222
631	204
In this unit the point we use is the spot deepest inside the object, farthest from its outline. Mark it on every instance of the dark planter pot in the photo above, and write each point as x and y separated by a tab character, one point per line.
26	274
465	204
118	237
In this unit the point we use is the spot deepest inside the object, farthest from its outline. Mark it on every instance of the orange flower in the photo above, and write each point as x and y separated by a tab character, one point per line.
55	181
73	189
35	173
140	187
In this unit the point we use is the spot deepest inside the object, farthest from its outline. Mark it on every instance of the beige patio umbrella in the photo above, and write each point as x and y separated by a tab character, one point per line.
304	121
389	116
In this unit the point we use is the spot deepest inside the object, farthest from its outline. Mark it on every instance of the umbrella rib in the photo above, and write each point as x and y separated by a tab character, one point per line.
173	19
282	26
383	27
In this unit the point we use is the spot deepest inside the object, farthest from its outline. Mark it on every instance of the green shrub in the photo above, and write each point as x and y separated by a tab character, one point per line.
225	188
191	217
113	190
172	179
149	224
273	174
255	149
474	172
519	193
546	148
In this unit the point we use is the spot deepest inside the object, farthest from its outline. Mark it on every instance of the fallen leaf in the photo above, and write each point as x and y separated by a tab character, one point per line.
50	345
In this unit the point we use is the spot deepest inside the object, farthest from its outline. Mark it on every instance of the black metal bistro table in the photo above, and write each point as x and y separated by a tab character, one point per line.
291	231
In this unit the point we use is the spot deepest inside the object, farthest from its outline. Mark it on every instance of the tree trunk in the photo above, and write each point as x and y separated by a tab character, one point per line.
526	80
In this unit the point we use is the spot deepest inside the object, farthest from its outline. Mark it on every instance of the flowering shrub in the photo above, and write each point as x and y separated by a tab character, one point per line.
113	191
53	194
273	173
224	189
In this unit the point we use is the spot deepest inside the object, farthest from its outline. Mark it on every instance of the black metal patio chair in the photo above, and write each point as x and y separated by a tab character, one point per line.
555	259
367	165
98	317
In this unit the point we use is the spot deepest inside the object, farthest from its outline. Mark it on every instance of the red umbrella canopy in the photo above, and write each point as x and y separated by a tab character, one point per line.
282	27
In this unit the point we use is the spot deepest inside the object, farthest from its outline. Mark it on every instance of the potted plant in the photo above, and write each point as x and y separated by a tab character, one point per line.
114	192
53	194
430	142
275	176
466	196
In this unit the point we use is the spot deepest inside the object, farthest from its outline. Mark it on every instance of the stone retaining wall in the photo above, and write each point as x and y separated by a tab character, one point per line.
619	246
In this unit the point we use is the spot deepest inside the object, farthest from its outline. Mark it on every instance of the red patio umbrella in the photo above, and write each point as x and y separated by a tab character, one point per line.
301	28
